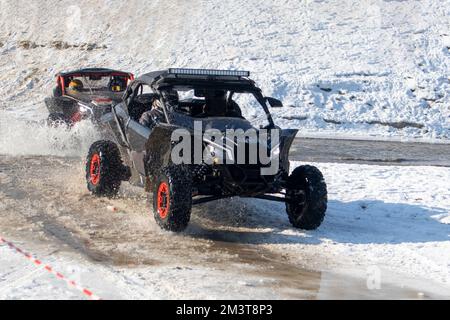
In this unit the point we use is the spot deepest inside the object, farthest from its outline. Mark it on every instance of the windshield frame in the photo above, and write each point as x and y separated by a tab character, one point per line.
256	92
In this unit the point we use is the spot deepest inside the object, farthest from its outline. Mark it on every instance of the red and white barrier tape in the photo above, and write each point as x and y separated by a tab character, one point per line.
48	268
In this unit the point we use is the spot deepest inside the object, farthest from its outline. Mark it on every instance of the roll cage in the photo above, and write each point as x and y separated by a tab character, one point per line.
163	80
63	78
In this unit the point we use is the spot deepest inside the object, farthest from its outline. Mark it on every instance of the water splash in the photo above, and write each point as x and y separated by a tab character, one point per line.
20	137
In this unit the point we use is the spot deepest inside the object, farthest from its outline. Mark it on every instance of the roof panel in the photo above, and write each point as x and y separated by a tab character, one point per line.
91	70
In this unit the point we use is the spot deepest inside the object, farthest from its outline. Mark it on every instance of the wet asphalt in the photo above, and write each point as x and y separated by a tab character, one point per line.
370	152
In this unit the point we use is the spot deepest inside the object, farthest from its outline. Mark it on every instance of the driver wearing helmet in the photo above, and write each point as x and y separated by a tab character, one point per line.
117	84
218	105
76	85
215	103
156	113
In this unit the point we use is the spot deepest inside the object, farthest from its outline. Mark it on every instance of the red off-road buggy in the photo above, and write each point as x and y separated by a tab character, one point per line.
96	91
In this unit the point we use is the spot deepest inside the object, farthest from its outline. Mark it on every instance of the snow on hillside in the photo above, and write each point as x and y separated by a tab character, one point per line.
367	68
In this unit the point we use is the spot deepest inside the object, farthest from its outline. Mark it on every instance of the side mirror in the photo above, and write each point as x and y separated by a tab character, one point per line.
274	103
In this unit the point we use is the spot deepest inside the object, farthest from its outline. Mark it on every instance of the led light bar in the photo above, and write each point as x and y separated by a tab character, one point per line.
208	72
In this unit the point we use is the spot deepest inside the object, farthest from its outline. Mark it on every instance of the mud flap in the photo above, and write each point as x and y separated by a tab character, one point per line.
62	105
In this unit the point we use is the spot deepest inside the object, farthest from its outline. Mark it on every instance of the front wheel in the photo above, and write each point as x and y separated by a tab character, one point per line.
306	198
172	198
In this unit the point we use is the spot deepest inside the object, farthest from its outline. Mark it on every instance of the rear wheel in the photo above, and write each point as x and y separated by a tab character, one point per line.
104	169
172	198
306	198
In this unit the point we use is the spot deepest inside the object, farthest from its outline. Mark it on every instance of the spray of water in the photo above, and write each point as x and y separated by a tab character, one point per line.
19	137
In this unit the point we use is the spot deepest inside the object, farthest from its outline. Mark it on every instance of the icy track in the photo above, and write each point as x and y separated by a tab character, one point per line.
369	68
385	223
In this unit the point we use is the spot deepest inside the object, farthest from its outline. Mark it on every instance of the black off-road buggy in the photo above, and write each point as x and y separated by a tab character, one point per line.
101	88
145	155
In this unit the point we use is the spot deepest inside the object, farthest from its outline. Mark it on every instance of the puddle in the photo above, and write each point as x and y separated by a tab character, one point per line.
276	272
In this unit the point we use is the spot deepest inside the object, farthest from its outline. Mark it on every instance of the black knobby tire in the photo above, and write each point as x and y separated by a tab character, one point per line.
104	169
172	198
306	198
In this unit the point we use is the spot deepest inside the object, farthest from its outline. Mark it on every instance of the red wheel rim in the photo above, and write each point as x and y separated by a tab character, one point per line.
95	169
162	201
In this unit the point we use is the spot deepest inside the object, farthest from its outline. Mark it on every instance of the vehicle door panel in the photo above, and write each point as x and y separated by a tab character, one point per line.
137	136
116	120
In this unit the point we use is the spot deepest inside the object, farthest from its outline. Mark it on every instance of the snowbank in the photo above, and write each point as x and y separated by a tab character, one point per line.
371	68
391	217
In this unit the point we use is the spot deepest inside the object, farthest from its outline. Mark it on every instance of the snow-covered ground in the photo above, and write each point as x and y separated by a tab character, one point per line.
395	217
352	68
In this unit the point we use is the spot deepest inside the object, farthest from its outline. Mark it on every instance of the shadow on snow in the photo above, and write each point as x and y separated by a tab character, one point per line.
251	221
